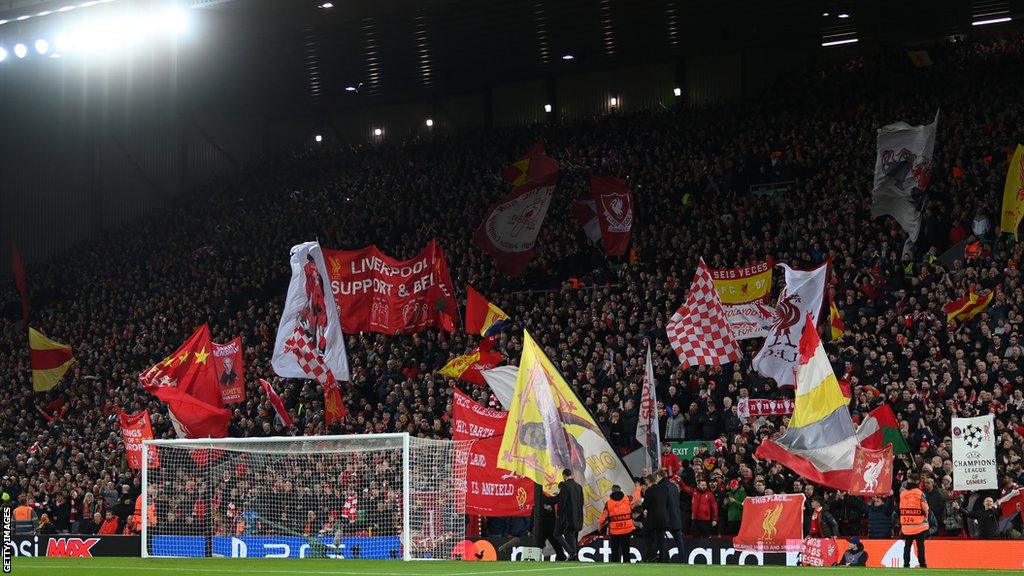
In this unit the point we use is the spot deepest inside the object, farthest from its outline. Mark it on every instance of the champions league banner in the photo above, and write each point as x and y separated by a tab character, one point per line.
974	453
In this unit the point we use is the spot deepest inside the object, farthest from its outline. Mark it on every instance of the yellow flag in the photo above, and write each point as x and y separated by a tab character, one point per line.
549	429
1013	193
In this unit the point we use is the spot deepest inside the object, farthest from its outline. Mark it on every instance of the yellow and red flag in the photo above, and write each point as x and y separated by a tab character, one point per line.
533	168
835	319
549	430
1013	193
468	366
49	359
482	316
963	309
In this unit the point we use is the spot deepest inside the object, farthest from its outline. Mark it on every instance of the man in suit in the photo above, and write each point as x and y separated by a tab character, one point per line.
570	514
675	517
656	517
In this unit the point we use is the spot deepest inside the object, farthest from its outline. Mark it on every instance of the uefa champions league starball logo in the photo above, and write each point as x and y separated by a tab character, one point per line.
973	436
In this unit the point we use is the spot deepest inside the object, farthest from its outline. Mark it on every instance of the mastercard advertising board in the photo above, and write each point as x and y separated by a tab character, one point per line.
965	554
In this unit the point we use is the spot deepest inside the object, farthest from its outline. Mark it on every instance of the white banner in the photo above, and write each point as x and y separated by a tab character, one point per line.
974	453
753	320
903	167
647	426
803	295
308	290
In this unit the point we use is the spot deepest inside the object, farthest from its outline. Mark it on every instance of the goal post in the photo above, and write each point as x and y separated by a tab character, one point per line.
382	496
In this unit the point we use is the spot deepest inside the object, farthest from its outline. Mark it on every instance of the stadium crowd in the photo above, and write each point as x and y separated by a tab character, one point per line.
219	255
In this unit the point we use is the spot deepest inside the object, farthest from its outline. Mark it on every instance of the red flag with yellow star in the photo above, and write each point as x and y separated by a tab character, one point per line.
186	382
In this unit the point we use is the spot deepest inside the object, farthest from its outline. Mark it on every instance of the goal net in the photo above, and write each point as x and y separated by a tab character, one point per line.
375	496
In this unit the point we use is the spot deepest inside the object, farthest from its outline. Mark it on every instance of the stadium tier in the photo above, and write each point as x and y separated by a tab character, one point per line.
783	329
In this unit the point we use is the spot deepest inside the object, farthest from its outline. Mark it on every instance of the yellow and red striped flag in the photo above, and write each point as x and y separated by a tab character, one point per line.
50	360
835	319
963	309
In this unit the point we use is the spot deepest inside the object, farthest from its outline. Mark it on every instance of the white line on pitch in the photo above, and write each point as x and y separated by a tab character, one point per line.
253	569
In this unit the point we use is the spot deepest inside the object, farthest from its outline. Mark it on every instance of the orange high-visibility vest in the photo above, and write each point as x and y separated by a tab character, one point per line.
913	512
620	516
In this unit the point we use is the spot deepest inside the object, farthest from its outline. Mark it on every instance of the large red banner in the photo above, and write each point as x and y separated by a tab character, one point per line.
490	491
134	429
229	363
771	523
377	293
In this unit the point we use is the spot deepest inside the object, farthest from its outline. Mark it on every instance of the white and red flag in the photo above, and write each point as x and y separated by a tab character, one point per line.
699	331
799	302
277	403
309	341
510	228
613	202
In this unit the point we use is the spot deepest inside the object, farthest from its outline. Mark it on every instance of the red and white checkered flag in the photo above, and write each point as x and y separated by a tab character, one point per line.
699	331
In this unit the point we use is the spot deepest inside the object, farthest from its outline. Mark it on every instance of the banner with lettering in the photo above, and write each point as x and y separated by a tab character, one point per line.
377	293
744	292
821	551
771	524
754	407
134	429
974	453
229	363
490	491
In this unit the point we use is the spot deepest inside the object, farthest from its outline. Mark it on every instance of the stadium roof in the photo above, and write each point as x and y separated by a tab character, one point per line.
265	56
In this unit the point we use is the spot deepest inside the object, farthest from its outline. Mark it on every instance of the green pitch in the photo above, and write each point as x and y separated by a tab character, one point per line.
284	567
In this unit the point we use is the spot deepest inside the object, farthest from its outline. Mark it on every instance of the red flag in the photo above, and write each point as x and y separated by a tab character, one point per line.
278	404
187	383
614	204
229	363
20	282
491	491
134	429
469	367
872	472
770	521
193	418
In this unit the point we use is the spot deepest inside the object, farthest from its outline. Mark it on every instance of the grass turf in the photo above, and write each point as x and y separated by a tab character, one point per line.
313	567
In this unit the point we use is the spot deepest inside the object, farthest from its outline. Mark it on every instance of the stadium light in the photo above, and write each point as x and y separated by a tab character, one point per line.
42	46
62	43
430	122
844	15
613	102
677	91
377	132
20	50
568	57
547	108
838	42
327	5
991	21
3	54
350	88
824	14
318	138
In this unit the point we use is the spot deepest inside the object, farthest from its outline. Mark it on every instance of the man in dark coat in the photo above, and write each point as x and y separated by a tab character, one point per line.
570	514
675	517
656	518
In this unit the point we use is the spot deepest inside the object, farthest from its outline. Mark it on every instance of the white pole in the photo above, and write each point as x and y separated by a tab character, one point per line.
406	500
144	518
214	442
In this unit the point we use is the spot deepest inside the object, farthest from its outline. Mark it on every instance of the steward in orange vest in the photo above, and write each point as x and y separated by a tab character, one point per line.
137	515
913	519
618	519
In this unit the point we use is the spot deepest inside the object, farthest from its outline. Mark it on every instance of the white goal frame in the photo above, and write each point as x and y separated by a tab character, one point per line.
214	443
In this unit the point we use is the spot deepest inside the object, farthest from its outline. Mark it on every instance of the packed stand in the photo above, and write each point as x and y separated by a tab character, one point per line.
219	255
